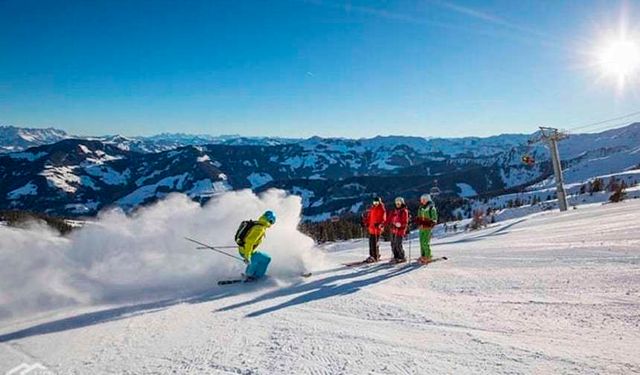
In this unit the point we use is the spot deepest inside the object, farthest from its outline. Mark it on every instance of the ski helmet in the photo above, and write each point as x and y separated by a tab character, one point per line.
377	199
425	197
270	217
399	200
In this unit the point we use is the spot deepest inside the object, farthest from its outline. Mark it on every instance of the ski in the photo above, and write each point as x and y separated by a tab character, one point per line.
388	261
364	262
395	262
361	263
353	264
238	281
432	261
233	281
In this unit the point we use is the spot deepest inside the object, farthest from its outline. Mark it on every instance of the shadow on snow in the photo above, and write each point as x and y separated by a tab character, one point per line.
316	290
323	288
109	315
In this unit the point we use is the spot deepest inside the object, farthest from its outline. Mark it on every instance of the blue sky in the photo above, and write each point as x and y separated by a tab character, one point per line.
303	68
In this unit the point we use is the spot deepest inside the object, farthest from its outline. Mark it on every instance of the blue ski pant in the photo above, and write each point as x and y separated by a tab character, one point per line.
258	265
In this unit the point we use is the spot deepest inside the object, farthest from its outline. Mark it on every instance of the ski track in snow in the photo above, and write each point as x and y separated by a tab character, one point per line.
550	293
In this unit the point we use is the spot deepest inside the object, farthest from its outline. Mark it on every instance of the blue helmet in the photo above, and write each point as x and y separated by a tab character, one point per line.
270	217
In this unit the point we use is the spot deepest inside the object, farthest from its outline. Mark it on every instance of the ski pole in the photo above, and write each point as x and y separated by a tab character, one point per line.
214	249
218	247
362	238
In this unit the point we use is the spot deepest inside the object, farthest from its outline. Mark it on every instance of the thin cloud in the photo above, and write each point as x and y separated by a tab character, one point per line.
524	34
469	11
377	12
487	17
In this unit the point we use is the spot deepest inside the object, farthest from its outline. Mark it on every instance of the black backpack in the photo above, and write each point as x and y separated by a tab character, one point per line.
243	230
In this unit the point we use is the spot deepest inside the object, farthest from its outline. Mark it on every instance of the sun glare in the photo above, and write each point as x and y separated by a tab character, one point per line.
620	58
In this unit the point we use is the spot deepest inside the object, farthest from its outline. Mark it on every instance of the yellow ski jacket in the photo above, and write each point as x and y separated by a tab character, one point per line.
254	238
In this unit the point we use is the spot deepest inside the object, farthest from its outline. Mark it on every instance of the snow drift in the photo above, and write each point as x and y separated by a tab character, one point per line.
120	257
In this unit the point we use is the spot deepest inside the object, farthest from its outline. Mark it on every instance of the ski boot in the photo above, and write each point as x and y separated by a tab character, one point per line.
250	279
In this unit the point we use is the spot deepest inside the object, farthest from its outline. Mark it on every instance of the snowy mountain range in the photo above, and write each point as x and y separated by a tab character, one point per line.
13	139
18	139
334	176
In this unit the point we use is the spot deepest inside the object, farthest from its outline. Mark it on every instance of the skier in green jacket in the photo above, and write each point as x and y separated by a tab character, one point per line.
427	218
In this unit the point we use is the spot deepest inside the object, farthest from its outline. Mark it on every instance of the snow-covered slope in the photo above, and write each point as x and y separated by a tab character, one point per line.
80	177
549	293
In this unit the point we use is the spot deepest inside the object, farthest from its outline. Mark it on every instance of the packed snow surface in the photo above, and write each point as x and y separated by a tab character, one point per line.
547	293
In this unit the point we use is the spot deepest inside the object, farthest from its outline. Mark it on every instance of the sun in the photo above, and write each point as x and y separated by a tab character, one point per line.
620	58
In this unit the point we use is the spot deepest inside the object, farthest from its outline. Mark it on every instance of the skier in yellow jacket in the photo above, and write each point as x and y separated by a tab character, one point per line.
249	236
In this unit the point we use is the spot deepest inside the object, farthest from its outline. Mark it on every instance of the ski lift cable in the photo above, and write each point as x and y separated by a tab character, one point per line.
632	114
612	126
474	168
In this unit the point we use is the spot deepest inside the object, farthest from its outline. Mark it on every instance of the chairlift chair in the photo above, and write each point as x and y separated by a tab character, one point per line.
528	160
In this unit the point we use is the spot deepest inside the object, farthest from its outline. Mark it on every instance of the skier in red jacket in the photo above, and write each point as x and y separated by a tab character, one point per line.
398	221
375	223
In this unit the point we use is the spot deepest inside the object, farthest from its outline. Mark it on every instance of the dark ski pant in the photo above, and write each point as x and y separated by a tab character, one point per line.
396	246
374	246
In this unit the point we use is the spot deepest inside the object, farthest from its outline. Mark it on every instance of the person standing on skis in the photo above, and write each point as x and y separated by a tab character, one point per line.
249	236
398	221
426	219
375	224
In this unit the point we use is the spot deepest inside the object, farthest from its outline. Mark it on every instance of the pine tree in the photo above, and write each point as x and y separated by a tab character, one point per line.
596	186
478	220
620	194
22	218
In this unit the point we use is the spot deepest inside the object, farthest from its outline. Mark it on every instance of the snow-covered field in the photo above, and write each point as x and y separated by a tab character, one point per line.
546	293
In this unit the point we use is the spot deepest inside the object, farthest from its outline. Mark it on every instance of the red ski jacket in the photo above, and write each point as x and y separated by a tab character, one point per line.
376	219
399	220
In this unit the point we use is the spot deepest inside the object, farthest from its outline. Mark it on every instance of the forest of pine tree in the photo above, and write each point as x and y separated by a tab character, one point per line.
350	226
22	218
